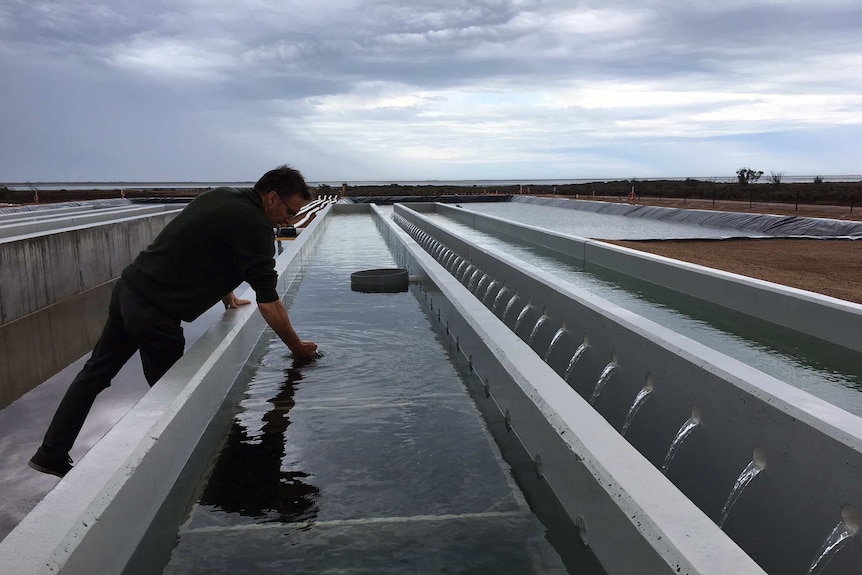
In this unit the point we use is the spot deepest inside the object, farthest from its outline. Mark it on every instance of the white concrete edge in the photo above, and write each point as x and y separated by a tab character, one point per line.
721	275
672	525
33	235
69	213
130	466
7	213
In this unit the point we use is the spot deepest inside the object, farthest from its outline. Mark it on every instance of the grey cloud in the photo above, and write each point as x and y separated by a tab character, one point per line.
179	83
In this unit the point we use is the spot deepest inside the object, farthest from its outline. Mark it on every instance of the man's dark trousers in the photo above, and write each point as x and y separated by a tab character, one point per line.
133	323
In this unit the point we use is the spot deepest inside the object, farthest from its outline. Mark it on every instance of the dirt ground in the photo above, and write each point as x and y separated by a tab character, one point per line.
829	267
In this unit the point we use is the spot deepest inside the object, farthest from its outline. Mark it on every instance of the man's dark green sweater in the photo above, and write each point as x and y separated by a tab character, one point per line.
219	240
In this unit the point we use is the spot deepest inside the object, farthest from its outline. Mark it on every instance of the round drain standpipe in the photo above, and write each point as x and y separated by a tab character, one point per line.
390	280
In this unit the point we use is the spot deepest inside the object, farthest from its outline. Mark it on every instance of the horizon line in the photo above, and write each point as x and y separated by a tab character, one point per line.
408	181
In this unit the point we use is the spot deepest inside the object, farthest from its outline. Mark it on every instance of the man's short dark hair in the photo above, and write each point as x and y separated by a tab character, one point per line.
283	180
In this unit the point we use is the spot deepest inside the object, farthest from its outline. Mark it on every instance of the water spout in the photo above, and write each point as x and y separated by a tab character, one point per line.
521	316
499	298
554	340
683	432
488	291
480	285
533	333
509	306
847	528
457	272
575	358
641	397
757	464
603	379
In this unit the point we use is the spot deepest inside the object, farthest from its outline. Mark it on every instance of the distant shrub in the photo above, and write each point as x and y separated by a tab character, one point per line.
747	176
818	180
775	177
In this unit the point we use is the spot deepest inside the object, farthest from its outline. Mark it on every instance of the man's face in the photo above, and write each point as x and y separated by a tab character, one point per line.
281	211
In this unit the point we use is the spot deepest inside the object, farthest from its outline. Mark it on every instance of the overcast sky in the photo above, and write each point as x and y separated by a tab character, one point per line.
222	90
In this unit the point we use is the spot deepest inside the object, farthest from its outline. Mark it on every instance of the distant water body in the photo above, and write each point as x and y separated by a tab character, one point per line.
337	184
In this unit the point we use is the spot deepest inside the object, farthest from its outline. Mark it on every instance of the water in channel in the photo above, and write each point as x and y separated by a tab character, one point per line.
827	371
373	458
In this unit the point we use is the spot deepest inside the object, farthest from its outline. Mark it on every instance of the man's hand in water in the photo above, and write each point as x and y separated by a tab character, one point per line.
276	316
306	351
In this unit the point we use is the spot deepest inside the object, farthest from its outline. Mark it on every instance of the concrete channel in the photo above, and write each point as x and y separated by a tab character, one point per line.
56	274
558	377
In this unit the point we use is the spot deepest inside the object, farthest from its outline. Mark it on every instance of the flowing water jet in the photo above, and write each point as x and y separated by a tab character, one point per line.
509	306
479	286
757	464
847	528
489	291
500	295
457	272
473	278
576	357
522	315
539	323
554	340
641	397
681	435
606	374
482	286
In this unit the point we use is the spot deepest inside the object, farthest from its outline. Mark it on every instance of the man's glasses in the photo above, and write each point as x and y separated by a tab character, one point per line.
290	212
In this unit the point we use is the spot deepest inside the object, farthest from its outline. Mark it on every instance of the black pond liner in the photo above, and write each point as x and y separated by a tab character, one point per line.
391	280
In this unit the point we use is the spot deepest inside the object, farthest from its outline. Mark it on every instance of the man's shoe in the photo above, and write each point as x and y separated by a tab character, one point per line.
58	466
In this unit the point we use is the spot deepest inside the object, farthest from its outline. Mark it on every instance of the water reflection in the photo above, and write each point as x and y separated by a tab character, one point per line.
249	477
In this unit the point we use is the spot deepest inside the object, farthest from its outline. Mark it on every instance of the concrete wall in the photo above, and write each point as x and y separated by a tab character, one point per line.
827	318
633	518
42	270
94	519
812	450
39	345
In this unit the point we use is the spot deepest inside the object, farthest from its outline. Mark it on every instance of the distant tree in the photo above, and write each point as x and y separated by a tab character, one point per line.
818	179
748	176
775	177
